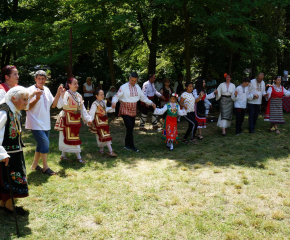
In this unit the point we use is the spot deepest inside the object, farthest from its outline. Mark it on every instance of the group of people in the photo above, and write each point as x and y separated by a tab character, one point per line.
188	102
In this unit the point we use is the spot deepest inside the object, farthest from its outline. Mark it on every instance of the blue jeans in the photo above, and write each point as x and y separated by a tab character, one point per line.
42	139
253	110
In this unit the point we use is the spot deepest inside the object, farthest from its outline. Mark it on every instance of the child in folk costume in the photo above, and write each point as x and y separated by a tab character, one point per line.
100	125
200	110
172	108
68	122
240	97
274	111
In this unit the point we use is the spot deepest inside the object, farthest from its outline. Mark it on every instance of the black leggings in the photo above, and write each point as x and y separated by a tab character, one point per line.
192	125
88	101
129	123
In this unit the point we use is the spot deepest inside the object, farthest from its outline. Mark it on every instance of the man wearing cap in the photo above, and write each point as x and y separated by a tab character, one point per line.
38	119
149	91
130	93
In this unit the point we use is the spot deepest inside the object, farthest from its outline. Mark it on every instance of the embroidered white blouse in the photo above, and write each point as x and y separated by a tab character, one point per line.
242	97
224	90
257	88
132	94
285	92
160	111
63	102
94	108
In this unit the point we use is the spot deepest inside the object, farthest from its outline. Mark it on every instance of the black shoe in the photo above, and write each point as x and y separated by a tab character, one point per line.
19	210
128	148
135	149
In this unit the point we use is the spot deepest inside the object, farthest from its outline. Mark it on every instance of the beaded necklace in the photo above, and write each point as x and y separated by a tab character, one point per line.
75	97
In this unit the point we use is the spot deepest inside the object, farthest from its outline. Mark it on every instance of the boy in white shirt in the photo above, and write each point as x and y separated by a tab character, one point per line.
240	97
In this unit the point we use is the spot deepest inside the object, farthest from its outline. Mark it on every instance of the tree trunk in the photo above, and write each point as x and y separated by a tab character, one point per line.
111	61
186	41
230	63
153	47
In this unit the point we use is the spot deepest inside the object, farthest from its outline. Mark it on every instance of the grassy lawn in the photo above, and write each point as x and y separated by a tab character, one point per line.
233	187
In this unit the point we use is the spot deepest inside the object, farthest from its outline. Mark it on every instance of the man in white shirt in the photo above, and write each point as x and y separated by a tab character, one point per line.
130	93
149	91
38	119
240	96
159	84
258	90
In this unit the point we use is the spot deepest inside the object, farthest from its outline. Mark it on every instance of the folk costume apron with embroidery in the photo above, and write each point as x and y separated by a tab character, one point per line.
169	131
274	111
69	121
12	143
100	124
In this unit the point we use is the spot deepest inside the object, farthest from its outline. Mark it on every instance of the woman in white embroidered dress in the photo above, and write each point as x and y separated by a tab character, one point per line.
68	121
224	92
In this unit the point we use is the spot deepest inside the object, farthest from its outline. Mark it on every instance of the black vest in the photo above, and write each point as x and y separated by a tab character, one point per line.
12	140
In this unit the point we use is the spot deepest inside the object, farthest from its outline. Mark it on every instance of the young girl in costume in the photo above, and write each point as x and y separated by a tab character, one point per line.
68	122
100	126
200	115
172	108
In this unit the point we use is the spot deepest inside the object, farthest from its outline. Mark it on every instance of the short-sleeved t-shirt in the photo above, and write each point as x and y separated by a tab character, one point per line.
38	118
189	101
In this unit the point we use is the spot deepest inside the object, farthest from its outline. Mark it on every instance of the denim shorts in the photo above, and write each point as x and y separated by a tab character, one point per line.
42	139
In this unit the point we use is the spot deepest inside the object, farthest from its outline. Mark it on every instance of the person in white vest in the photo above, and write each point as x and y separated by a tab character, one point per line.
88	89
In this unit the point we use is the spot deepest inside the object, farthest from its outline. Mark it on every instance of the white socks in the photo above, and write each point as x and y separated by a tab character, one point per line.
78	155
63	154
109	147
171	146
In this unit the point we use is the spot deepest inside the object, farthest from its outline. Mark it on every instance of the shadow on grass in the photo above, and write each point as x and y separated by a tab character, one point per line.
8	228
250	150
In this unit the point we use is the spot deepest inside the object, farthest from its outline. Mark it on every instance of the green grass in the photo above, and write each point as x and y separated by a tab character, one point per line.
233	187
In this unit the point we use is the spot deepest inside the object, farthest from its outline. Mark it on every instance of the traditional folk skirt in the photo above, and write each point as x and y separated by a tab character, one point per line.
274	111
69	123
226	106
101	128
169	131
17	171
200	116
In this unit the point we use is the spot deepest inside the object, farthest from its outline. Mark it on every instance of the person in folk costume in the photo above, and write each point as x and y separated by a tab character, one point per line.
166	92
9	79
274	111
149	91
240	97
173	110
200	110
187	101
100	126
68	122
257	89
130	93
224	93
11	152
